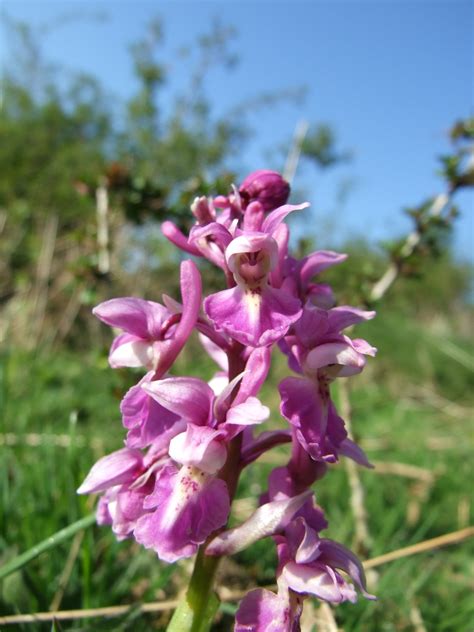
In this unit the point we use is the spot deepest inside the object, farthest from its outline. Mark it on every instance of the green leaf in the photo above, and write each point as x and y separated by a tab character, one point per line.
60	536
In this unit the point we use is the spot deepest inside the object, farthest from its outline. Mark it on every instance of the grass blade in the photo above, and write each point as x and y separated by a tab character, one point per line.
57	538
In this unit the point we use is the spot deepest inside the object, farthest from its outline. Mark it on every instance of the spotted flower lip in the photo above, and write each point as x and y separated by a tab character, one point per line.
185	507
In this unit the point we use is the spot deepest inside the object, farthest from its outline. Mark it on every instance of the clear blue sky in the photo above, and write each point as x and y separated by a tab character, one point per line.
390	77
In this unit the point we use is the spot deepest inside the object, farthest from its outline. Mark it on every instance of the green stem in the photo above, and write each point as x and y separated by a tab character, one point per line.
200	589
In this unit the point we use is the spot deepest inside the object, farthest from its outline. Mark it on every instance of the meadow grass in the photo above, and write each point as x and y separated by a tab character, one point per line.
60	413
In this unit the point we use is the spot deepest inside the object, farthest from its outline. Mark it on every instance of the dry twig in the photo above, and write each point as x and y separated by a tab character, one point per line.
427	545
391	273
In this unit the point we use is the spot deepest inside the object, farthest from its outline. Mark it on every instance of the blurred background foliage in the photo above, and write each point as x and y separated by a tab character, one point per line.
62	146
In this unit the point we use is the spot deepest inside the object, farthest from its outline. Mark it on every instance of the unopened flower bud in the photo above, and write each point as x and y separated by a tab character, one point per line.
203	210
266	187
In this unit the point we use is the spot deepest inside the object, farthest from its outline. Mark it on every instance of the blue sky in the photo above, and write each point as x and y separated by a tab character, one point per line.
390	77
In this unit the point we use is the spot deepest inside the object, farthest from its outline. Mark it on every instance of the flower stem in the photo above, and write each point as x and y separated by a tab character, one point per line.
197	610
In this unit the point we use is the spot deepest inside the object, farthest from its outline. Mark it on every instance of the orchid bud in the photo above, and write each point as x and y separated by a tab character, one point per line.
203	210
266	187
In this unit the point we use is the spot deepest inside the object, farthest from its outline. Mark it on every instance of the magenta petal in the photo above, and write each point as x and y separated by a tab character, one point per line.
345	316
172	232
263	611
187	397
145	418
215	352
102	514
335	353
189	506
191	290
248	413
249	243
211	240
312	325
253	318
275	218
116	468
309	546
362	346
132	354
303	407
317	262
199	446
321	295
265	521
318	580
133	315
351	450
256	371
336	555
126	510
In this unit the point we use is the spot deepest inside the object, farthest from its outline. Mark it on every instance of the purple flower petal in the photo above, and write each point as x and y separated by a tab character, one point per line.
319	580
215	352
172	232
133	354
126	510
345	316
265	521
251	317
187	397
275	218
303	407
191	291
133	315
263	611
281	235
353	451
318	261
312	326
336	555
320	295
248	413
309	542
335	353
362	346
250	243
189	506
199	447
256	371
116	468
211	241
145	418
